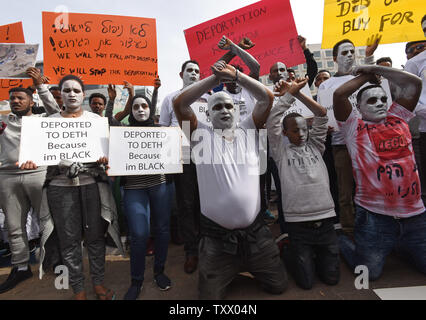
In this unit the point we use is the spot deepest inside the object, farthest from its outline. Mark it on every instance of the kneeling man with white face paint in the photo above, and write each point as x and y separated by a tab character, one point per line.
234	237
307	203
389	210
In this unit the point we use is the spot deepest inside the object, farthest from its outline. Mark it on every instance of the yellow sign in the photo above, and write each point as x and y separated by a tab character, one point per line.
359	20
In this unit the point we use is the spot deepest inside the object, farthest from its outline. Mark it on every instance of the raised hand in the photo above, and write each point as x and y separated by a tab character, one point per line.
224	43
157	83
224	71
36	75
246	44
372	44
292	87
302	42
130	88
111	92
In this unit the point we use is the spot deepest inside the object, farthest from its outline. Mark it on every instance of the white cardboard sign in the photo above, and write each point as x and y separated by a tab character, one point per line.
47	141
144	150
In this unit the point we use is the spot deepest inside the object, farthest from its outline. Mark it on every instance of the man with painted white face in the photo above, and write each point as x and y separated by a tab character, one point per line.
19	190
416	64
234	236
389	211
307	202
344	56
186	187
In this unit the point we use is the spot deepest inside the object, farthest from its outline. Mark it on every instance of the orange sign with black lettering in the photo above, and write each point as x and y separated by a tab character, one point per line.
100	49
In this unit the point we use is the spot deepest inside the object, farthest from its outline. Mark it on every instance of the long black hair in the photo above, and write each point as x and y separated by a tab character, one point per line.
147	123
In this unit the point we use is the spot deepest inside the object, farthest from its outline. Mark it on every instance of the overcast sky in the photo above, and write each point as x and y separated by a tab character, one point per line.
172	17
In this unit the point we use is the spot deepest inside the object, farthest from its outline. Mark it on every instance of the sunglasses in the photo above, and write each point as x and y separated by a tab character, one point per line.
417	47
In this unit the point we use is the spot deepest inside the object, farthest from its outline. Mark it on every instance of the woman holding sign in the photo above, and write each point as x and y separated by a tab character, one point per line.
143	195
71	204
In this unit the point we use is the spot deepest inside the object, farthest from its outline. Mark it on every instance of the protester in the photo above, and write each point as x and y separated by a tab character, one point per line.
77	202
307	203
146	198
344	56
384	61
234	237
97	103
186	186
389	211
19	190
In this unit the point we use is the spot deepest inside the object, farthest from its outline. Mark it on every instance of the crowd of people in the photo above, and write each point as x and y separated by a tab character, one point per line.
355	191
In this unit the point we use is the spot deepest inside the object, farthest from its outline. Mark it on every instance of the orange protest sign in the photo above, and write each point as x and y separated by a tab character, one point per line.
12	33
100	49
7	84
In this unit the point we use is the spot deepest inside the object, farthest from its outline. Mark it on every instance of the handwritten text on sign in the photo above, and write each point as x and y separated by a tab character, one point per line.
139	150
100	49
395	20
47	141
268	23
12	33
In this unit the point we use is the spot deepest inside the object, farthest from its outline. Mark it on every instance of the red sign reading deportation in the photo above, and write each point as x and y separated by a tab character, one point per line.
268	23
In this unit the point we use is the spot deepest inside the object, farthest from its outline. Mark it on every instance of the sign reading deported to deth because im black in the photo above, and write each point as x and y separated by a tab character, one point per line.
143	150
47	141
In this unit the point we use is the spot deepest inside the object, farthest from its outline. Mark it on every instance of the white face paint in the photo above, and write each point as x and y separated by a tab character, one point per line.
345	57
282	70
221	111
140	109
72	95
191	74
372	105
424	27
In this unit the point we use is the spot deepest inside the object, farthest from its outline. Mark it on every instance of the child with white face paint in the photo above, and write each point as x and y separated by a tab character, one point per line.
307	203
72	191
140	109
388	189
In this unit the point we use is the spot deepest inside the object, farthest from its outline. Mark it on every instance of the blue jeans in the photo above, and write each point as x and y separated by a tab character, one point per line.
377	235
138	204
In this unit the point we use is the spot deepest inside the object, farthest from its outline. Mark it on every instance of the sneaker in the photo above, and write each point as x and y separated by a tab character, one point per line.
133	292
268	216
14	278
163	282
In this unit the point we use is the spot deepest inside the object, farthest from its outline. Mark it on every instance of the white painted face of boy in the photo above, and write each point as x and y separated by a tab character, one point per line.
372	105
140	109
345	57
221	111
72	95
424	27
191	74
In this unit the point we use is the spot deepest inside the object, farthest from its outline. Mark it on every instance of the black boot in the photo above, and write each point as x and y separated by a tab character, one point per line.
14	278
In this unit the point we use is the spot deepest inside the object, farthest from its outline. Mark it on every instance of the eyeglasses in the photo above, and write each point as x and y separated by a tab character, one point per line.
417	47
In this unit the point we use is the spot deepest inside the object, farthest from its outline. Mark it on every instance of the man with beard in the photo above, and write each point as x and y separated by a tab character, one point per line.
19	190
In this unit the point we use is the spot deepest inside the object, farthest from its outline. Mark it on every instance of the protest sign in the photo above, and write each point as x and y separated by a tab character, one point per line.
143	150
47	141
101	49
268	23
16	58
12	33
325	97
298	106
395	21
200	109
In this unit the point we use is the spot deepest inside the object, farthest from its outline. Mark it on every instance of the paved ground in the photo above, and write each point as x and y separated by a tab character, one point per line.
397	273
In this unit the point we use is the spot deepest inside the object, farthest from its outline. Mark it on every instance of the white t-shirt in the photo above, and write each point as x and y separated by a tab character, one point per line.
383	162
417	66
335	82
228	174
